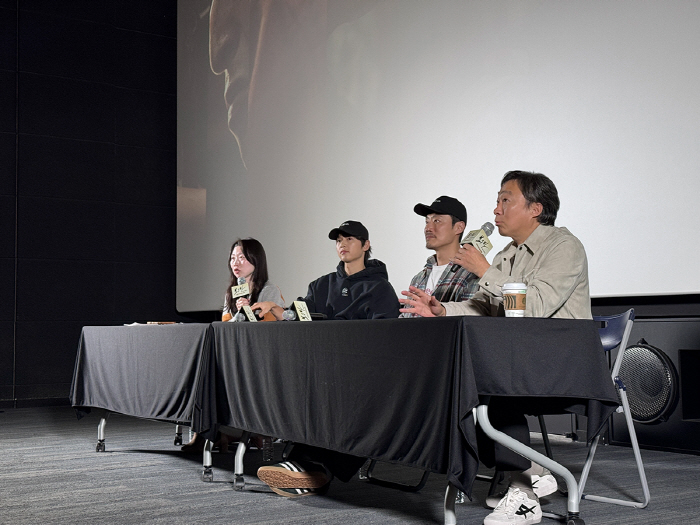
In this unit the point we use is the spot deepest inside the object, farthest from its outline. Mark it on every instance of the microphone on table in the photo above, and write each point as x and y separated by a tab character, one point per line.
479	239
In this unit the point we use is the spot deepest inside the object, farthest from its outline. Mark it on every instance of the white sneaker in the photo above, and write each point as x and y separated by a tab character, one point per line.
542	486
515	508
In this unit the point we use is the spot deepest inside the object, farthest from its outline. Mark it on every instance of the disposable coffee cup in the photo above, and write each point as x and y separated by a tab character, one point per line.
514	299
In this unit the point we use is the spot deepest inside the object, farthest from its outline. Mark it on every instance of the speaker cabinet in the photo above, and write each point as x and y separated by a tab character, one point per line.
679	339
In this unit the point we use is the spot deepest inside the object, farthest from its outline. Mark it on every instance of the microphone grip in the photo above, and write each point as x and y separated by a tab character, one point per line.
456	266
242	297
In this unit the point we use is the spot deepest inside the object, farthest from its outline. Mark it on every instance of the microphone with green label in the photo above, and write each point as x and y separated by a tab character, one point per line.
479	239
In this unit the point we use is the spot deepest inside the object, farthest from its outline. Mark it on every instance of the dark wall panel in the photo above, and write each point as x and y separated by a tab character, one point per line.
8	175
102	11
64	47
8	37
60	107
65	229
139	234
8	101
145	292
7	329
45	364
87	180
155	16
65	168
155	70
7	226
145	119
145	176
7	289
55	290
649	307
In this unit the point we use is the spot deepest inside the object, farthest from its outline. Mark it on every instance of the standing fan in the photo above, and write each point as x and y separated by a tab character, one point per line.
651	381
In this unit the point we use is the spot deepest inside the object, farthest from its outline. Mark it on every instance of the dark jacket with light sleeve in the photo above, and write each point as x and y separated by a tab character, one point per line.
363	295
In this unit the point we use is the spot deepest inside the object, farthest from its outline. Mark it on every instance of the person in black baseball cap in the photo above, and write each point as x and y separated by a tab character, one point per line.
443	206
358	289
445	222
353	228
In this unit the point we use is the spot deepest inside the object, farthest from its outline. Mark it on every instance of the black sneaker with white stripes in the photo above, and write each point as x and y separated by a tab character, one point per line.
294	478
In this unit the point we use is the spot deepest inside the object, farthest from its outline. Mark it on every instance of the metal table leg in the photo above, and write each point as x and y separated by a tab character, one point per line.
572	516
450	497
238	479
207	472
101	433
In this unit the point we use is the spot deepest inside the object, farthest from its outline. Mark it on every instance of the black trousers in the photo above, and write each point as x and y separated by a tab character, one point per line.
508	416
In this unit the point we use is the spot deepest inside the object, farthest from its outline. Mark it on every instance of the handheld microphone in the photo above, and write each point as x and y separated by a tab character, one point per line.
479	239
242	290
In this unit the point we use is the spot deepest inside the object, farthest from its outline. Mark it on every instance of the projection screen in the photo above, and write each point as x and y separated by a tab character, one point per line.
296	115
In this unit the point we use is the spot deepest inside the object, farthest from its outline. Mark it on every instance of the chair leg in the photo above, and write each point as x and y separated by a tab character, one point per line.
637	457
495	480
545	437
573	435
287	450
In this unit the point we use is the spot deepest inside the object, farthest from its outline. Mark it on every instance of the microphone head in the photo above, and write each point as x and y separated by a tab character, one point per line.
289	315
488	228
239	317
241	280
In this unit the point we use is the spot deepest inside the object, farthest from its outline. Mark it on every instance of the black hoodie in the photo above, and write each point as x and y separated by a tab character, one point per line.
363	295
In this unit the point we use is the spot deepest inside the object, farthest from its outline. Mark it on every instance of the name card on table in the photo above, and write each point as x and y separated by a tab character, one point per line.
302	311
248	312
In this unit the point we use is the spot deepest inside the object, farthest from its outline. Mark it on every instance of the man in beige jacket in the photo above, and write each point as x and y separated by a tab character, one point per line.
553	265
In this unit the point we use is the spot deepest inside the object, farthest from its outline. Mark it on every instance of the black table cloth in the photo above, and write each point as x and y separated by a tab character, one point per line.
147	371
382	389
554	365
399	390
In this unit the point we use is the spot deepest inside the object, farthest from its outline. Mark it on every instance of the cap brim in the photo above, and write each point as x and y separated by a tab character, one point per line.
422	209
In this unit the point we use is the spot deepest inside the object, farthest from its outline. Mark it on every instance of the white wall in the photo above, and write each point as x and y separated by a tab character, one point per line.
412	99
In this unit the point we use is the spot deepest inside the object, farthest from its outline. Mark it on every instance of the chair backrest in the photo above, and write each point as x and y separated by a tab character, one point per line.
613	328
615	331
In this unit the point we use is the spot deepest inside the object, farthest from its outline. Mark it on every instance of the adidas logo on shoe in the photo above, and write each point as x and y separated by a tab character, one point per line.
293	478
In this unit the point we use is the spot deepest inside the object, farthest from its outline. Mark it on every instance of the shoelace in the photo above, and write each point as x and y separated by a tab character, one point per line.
508	504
